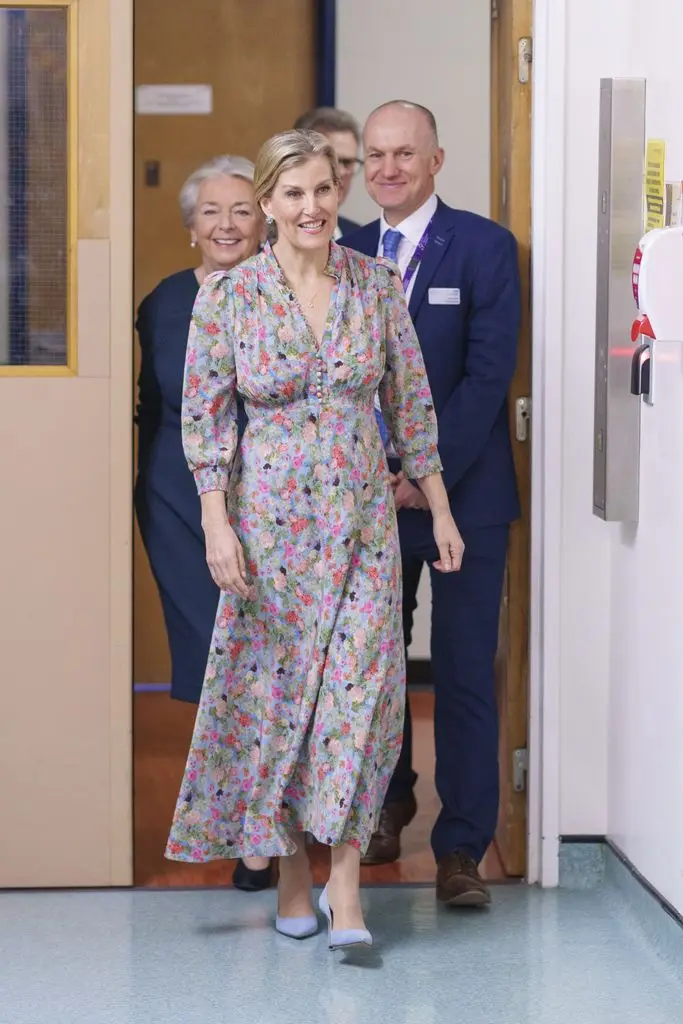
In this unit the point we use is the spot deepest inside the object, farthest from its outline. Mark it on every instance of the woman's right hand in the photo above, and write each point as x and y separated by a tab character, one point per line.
225	559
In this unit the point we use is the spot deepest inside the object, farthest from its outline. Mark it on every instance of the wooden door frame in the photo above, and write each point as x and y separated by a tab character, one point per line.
511	22
541	142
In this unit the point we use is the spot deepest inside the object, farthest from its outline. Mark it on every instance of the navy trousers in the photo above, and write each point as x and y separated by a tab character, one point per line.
465	617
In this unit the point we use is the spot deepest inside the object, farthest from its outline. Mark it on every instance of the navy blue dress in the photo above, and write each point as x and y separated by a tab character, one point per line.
166	499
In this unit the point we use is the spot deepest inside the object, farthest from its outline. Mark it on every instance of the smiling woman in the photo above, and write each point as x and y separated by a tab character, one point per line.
218	208
299	722
302	197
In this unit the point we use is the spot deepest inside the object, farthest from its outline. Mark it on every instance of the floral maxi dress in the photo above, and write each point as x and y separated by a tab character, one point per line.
299	725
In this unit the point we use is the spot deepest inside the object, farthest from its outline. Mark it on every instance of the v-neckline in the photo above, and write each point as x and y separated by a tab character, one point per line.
319	344
333	269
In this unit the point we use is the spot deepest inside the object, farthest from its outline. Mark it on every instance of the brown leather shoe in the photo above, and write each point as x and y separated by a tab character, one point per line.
459	884
385	845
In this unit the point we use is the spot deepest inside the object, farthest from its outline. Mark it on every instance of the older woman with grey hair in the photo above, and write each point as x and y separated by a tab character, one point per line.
226	226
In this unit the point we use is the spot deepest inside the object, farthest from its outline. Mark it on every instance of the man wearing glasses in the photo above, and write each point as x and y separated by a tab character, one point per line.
344	133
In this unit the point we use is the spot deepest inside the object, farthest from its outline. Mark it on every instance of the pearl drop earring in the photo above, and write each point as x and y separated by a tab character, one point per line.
193	244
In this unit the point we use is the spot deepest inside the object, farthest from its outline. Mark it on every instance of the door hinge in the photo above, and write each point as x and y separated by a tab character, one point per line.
525	55
520	767
494	10
522	418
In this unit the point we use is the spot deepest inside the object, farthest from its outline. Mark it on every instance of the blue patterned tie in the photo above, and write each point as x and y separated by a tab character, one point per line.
383	432
390	244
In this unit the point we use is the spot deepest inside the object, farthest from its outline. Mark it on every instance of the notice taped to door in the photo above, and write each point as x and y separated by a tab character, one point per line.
174	99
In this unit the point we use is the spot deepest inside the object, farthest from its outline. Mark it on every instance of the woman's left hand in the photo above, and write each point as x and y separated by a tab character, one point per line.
448	541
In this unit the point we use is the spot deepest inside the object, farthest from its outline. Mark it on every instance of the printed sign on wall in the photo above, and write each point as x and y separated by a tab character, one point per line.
655	191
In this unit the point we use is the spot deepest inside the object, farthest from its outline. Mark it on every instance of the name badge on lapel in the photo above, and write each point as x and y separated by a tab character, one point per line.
444	296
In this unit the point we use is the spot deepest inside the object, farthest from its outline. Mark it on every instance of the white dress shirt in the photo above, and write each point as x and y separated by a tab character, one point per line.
412	229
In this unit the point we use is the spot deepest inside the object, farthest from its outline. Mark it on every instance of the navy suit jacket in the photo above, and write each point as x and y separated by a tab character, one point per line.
346	226
470	350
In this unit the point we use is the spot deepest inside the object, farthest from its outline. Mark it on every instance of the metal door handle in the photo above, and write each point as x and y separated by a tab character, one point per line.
640	370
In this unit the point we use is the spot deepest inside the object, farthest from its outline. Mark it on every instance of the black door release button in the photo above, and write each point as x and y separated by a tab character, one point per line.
152	174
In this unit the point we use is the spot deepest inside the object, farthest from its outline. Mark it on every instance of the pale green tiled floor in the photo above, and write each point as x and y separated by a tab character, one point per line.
212	957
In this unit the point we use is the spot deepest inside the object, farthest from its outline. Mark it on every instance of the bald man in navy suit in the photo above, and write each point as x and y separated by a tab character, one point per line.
461	277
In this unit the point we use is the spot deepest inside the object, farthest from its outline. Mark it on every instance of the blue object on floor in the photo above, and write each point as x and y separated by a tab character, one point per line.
342	938
297	927
213	957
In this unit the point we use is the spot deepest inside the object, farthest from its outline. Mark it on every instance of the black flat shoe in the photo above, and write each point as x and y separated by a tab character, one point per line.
252	881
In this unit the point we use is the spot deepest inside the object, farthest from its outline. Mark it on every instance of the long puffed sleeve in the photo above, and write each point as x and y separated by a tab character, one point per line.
404	393
209	410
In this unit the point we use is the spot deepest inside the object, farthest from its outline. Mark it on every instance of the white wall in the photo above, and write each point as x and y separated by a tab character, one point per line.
645	748
645	740
585	554
436	53
620	591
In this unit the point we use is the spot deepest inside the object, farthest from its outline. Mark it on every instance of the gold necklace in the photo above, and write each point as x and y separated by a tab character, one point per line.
309	304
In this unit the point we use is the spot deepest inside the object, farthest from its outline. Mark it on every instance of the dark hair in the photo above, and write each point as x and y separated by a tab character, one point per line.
328	119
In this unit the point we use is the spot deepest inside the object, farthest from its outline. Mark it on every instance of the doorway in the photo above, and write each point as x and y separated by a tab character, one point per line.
253	97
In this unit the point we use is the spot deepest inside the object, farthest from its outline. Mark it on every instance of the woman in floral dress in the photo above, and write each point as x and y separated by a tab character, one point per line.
299	724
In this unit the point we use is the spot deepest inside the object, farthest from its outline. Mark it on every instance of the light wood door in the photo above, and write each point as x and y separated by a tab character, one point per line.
511	205
259	59
65	536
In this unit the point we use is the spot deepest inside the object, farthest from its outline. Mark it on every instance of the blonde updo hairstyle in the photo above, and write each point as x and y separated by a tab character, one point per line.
284	151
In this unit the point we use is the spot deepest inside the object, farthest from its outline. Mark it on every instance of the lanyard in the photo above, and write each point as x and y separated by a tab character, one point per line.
416	258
